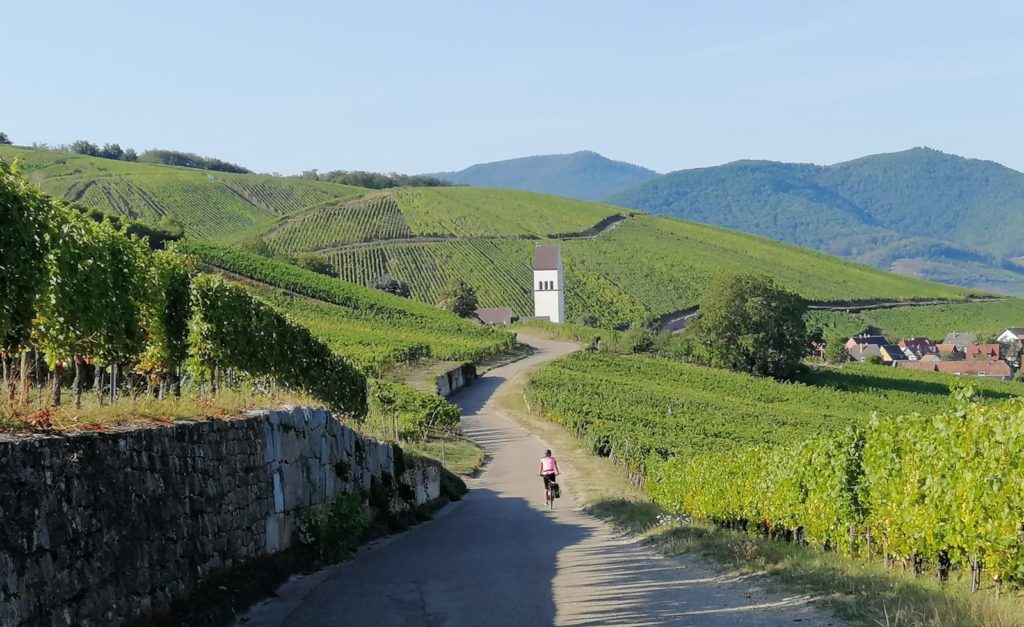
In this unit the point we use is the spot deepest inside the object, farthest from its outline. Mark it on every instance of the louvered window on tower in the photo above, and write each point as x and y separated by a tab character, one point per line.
549	300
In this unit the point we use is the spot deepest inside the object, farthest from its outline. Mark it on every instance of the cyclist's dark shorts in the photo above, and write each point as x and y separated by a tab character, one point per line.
548	478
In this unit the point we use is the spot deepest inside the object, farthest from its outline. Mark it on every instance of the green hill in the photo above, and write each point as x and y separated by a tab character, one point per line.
210	205
631	268
585	175
919	212
620	267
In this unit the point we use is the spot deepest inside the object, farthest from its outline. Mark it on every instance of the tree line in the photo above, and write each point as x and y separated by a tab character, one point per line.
374	180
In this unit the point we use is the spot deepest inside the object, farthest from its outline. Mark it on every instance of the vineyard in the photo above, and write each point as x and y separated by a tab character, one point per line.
371	218
808	458
987	320
86	297
630	406
475	212
645	267
935	492
374	328
210	205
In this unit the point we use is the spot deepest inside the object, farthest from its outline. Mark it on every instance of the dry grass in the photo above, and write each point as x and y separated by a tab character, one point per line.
861	592
455	453
40	416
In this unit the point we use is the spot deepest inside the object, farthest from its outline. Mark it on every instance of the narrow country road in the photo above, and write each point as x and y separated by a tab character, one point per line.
499	557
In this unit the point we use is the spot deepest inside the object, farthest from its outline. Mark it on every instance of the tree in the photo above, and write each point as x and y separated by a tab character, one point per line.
750	324
84	147
130	155
391	285
835	349
111	151
459	298
5	140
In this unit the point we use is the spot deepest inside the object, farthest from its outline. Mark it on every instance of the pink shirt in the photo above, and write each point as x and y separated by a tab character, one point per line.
548	465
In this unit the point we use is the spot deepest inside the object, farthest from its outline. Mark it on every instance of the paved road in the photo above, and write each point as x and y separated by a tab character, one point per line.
499	557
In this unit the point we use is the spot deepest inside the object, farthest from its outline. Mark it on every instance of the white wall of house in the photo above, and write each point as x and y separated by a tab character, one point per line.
549	295
1007	336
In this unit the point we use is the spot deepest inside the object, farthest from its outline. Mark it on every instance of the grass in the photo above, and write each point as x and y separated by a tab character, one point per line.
455	453
863	592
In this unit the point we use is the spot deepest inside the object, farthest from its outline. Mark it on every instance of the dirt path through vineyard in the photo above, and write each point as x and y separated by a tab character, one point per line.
500	558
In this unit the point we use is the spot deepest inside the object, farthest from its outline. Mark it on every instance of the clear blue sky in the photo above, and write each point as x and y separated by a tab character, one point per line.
424	86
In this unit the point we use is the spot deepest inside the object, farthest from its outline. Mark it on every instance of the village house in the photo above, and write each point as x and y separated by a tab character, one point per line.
951	352
983	369
1013	336
865	340
495	315
960	340
983	352
891	353
916	348
861	352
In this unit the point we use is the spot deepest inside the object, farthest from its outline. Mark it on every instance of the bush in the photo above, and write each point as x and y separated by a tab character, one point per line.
333	530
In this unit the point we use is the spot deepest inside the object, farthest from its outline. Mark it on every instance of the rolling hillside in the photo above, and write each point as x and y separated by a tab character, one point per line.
585	175
621	267
629	268
919	212
210	205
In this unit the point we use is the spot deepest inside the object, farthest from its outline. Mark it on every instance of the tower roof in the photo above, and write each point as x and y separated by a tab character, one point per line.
546	257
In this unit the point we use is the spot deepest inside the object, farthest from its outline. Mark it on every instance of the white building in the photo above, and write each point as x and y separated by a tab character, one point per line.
548	287
1011	336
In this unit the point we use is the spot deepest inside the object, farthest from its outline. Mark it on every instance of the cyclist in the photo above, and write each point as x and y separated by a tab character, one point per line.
548	470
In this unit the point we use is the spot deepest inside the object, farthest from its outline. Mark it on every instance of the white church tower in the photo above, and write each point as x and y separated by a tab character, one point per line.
548	289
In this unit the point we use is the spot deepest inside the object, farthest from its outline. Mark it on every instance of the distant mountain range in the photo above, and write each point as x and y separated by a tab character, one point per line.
585	175
919	212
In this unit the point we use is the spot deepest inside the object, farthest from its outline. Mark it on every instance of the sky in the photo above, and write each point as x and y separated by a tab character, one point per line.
433	85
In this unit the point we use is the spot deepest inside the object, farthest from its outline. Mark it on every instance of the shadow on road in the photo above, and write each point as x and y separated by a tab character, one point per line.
473	397
491	561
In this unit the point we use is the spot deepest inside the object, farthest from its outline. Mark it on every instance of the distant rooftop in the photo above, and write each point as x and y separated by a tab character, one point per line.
546	257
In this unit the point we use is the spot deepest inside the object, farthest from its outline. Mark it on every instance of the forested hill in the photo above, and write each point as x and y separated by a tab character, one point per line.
919	211
585	175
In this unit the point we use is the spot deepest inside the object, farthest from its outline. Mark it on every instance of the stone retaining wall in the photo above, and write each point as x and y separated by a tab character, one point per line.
455	379
103	528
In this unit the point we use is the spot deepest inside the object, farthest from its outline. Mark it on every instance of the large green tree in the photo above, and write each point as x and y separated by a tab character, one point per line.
750	324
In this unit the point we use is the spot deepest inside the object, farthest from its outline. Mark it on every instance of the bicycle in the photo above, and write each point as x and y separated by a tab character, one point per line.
551	490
